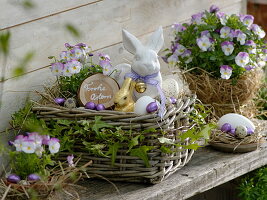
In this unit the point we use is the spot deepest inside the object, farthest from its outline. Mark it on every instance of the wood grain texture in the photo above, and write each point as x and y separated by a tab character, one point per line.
18	89
100	24
13	13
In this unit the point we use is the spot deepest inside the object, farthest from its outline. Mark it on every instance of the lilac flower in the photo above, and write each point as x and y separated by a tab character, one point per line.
205	33
45	139
240	36
172	59
68	46
249	67
53	145
66	71
70	160
57	68
204	43
227	48
107	67
187	54
242	59
257	30
222	17
78	53
252	46
103	56
226	71
28	146
39	151
36	138
180	49
225	32
178	27
18	142
73	66
197	18
214	9
247	20
64	55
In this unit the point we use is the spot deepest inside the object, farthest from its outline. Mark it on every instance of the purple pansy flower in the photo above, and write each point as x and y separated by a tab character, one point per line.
178	27
73	66
249	67
257	30
222	17
36	138
252	46
57	68
247	20
226	71
172	59
242	59
197	18
205	33
240	36
187	54
204	43
70	160
225	32
180	49
53	145
227	47
45	139
214	9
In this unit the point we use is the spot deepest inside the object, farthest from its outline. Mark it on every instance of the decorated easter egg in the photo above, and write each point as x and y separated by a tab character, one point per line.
235	120
170	88
141	104
13	178
59	100
34	177
100	107
241	132
70	103
152	107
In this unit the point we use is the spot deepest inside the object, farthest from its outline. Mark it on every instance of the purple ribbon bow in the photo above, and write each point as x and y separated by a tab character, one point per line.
148	79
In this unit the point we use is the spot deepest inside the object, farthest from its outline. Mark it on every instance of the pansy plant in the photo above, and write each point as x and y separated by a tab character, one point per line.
224	45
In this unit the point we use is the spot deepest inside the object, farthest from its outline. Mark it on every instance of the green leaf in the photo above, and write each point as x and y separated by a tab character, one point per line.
165	149
141	152
100	124
164	140
213	58
73	30
113	149
5	42
189	134
194	146
206	130
133	142
96	149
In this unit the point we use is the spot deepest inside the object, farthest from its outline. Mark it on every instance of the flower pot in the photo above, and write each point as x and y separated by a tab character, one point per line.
224	96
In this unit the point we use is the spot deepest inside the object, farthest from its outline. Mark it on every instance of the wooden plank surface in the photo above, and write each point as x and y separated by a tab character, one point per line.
13	13
207	169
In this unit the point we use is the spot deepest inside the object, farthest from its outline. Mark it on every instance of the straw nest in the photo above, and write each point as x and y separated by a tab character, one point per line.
218	136
223	95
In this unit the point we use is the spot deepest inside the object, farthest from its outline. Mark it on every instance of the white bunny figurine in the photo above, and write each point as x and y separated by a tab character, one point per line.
145	64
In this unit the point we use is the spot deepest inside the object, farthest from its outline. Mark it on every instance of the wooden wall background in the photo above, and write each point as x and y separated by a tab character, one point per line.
41	30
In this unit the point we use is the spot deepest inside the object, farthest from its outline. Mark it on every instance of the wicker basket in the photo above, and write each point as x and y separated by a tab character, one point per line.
129	168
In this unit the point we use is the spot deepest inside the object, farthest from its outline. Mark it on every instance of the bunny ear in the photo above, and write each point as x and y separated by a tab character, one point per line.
130	42
156	40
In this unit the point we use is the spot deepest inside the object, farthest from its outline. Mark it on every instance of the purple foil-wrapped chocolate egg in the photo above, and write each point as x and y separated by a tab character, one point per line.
226	127
13	178
34	177
100	107
59	100
232	131
250	131
152	107
90	105
173	100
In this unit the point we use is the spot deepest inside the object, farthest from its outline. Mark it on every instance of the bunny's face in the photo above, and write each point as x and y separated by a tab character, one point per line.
145	56
145	62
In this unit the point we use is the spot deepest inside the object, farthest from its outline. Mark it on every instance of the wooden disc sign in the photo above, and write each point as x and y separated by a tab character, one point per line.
99	89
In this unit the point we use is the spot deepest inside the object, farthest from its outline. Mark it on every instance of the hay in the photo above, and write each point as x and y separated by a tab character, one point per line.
217	136
223	95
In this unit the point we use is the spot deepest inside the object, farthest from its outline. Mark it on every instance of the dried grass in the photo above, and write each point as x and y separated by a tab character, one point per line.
223	95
